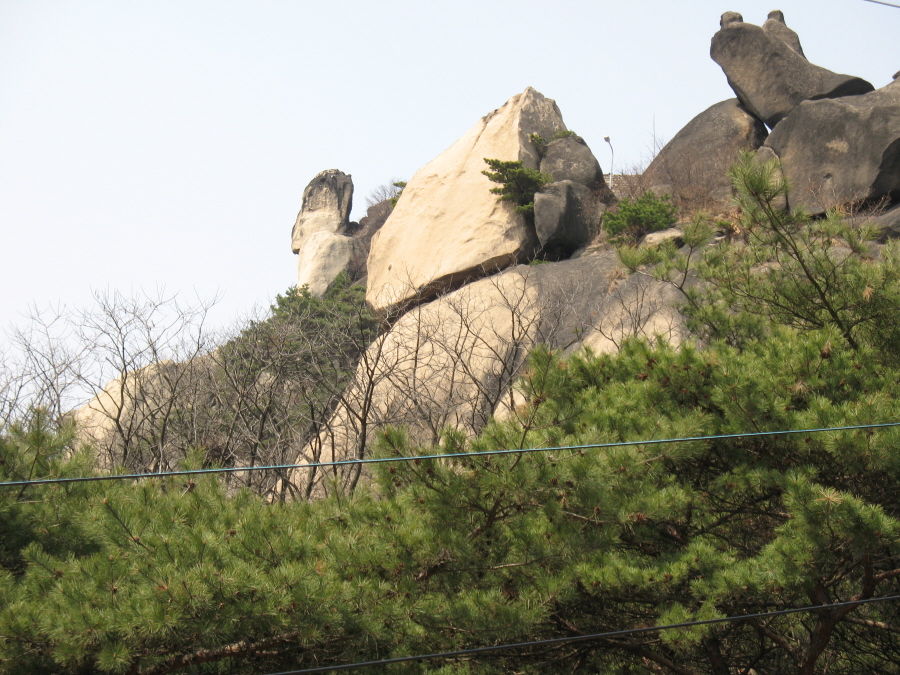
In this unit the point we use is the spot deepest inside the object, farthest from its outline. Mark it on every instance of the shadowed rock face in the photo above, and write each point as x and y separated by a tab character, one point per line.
694	164
766	69
841	150
566	217
567	212
448	228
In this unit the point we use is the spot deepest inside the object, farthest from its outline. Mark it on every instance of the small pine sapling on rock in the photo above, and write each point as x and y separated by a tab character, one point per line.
517	183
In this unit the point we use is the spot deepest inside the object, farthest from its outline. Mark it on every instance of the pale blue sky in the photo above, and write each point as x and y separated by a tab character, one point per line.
169	142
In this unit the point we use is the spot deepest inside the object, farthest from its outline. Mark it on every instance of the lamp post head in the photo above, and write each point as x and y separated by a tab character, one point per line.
606	138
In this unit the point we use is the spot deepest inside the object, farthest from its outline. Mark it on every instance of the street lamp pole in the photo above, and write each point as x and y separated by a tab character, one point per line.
611	160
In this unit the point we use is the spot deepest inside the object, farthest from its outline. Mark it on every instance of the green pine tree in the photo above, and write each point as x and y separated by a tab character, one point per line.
189	575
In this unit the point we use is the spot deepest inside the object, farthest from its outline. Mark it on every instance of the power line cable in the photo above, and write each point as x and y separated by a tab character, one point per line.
583	638
879	2
468	455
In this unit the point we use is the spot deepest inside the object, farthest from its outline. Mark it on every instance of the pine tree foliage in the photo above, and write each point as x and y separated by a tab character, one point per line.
787	268
275	384
631	220
518	183
189	576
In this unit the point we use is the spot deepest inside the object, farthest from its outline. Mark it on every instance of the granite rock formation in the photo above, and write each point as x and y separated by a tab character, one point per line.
776	27
567	216
570	158
327	202
453	362
319	236
768	74
693	166
841	150
448	228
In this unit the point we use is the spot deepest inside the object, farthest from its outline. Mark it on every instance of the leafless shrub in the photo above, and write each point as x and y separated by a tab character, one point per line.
385	192
273	391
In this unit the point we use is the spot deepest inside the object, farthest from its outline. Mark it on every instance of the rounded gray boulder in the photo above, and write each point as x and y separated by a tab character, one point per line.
570	158
694	164
841	150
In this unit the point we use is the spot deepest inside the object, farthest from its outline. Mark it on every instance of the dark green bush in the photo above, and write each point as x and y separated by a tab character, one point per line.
633	219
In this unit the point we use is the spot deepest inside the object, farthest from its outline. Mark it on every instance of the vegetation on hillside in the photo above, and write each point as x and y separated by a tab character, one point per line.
793	330
166	386
518	184
630	220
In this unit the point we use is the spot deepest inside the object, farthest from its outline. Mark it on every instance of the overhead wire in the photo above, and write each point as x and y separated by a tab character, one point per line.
583	638
450	455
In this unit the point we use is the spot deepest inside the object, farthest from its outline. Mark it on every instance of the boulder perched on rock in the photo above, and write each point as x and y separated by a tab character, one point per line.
693	166
453	362
448	228
841	150
768	75
567	216
570	159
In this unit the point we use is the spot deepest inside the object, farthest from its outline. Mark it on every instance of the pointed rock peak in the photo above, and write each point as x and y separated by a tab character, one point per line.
776	15
729	18
448	228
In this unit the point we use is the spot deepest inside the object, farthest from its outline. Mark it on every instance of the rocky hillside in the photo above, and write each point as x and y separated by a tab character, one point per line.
465	284
447	269
601	444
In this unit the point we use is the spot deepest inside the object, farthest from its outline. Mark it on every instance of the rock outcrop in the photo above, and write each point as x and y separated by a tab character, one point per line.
446	256
448	228
453	362
362	232
841	150
693	166
319	237
567	212
570	158
323	256
327	202
567	216
768	72
126	411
